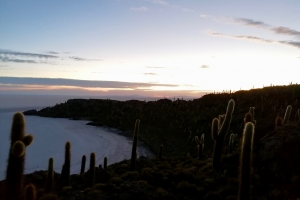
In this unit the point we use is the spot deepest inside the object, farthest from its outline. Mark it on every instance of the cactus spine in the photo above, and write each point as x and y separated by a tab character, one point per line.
246	161
30	192
50	176
92	170
219	132
16	158
65	173
105	163
83	160
135	137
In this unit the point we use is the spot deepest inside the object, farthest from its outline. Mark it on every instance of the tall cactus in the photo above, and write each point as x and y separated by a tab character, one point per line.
65	173
219	132
246	161
134	145
82	169
91	179
50	176
16	157
105	163
200	145
287	114
30	192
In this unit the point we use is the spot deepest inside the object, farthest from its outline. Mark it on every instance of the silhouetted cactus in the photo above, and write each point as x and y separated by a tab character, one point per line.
50	176
105	163
16	158
219	132
246	161
287	114
65	173
200	145
91	179
82	169
134	145
30	192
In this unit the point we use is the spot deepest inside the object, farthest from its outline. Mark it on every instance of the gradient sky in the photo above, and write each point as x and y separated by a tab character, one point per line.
147	47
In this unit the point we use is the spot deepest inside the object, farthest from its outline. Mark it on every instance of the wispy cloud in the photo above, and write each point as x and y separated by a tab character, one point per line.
139	8
245	37
275	29
257	39
25	54
161	2
52	52
6	59
151	74
78	83
251	22
291	43
285	31
151	67
83	59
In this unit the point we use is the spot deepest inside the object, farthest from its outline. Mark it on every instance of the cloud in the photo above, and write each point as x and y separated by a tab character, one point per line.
25	54
278	30
161	2
139	8
285	31
52	52
250	22
204	66
6	59
257	39
83	59
291	43
151	74
77	83
245	37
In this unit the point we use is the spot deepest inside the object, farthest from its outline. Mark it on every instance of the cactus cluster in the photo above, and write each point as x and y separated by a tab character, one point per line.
219	130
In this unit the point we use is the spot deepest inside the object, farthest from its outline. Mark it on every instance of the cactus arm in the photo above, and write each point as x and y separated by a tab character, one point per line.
27	140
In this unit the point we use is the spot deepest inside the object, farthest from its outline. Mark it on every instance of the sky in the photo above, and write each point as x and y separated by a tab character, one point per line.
158	48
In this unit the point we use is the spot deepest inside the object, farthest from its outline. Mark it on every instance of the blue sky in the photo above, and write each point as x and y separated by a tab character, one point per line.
157	47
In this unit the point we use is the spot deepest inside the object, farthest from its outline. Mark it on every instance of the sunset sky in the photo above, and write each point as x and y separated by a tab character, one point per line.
147	47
